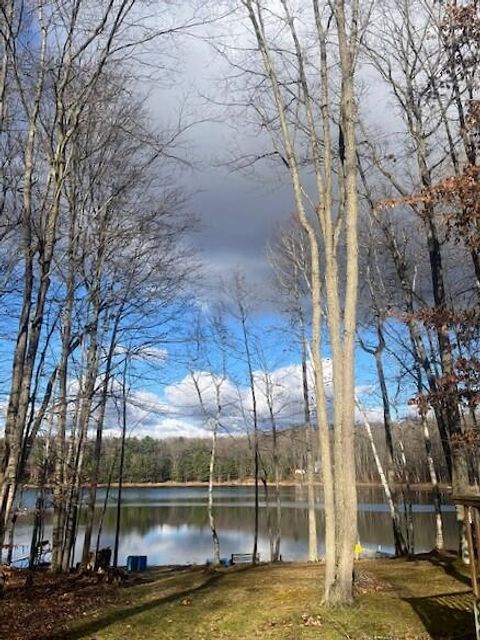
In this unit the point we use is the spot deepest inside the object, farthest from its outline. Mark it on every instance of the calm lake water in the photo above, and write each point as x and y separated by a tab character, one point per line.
170	524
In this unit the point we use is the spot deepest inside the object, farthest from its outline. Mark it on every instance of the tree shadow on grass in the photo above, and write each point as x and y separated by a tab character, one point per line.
119	615
447	615
115	615
448	562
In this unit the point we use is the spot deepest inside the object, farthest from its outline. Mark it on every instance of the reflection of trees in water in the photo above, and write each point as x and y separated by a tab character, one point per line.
374	527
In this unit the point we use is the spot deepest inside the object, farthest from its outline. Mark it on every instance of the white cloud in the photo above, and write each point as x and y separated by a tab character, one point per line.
179	412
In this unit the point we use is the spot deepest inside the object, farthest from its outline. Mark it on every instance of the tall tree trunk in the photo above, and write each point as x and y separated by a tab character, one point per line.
407	500
90	516
401	547
104	509
347	44
312	518
338	481
277	538
437	498
253	395
21	379
72	508
211	517
276	533
122	462
394	514
266	494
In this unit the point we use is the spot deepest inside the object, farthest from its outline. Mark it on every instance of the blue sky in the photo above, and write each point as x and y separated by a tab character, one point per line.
239	213
175	404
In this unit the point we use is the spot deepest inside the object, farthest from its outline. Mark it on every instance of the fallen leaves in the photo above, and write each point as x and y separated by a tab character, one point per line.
311	621
366	582
46	608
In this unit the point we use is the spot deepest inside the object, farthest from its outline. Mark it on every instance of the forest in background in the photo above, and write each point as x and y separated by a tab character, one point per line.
183	460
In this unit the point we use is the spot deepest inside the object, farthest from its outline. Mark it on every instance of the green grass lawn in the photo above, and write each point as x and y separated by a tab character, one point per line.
423	598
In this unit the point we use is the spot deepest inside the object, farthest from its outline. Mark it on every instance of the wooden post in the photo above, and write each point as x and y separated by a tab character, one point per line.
471	521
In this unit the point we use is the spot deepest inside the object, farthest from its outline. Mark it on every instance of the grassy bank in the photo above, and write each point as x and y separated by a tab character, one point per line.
425	598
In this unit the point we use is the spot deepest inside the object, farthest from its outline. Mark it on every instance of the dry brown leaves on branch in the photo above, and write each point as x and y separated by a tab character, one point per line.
470	439
460	197
462	22
460	319
460	387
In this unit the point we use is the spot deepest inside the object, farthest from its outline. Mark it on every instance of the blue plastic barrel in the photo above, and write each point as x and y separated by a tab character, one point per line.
136	563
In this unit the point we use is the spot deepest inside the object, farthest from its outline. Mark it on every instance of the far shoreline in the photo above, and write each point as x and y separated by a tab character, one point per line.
170	484
422	486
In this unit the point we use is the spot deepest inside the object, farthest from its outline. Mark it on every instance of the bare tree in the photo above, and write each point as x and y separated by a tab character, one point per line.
290	261
59	113
205	376
325	220
410	59
241	310
72	68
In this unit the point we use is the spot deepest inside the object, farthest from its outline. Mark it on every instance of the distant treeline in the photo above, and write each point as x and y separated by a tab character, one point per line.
187	459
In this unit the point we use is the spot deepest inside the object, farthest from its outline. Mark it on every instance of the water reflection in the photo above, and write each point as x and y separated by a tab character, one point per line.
170	525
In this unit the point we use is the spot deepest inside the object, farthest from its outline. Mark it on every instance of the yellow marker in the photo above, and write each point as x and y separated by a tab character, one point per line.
358	550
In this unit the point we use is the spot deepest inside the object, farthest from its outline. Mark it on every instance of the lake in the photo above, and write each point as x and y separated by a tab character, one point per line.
170	524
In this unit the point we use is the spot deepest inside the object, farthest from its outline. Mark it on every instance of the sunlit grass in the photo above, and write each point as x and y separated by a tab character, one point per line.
418	599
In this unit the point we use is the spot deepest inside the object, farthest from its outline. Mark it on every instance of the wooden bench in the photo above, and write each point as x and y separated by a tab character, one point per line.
243	558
